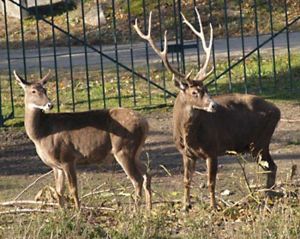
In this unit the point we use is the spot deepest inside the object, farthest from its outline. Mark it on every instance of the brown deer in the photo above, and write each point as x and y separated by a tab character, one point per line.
207	127
64	139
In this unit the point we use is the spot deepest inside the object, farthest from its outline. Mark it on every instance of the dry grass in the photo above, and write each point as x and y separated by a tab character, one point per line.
108	212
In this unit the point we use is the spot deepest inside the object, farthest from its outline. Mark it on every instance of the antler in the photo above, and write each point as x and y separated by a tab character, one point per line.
202	74
162	54
44	80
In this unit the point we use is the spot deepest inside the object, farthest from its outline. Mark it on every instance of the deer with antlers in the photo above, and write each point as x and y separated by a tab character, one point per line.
63	140
207	126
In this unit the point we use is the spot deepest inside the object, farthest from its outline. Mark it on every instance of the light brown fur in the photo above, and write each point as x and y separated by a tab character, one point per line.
63	140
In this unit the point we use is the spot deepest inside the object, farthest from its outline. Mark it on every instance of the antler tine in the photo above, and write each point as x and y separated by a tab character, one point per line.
45	78
201	75
162	54
47	75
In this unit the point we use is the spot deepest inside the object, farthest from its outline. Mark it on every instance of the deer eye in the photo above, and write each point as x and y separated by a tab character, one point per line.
33	91
195	93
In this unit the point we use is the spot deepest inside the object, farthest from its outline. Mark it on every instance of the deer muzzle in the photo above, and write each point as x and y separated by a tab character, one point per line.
48	106
211	106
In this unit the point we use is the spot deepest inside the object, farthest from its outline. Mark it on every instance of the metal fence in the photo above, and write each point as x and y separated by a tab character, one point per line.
100	62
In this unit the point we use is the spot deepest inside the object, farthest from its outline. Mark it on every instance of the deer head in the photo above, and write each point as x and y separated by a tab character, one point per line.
35	93
192	91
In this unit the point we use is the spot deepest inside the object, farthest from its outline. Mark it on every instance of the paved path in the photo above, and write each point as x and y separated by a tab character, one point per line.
139	53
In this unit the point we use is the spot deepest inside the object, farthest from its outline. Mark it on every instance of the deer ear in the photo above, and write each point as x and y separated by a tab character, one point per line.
179	84
45	79
23	83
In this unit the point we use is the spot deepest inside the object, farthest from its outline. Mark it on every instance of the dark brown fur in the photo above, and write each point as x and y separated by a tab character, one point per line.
240	123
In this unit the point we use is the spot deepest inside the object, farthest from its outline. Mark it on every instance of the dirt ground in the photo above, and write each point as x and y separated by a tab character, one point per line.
18	156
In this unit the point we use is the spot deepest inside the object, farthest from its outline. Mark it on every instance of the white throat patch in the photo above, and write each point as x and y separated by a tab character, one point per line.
210	108
34	106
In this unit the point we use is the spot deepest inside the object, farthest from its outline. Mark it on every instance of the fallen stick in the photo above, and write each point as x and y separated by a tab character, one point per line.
30	185
22	202
237	203
290	120
165	169
99	208
25	210
93	193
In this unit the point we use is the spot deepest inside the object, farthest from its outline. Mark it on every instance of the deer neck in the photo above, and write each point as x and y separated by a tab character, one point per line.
33	122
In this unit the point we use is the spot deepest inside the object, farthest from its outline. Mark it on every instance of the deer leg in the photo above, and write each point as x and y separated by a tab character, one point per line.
146	183
70	173
270	166
131	170
147	189
59	185
189	168
146	177
212	169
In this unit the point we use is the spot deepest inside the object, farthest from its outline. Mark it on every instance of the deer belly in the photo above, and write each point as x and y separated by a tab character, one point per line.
94	155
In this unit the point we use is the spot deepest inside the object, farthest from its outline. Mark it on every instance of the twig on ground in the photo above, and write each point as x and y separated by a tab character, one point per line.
290	120
32	184
22	202
99	208
165	169
26	210
93	191
237	203
239	157
200	173
225	202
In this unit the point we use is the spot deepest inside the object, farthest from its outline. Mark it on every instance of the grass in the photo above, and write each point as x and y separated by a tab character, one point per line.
260	218
138	94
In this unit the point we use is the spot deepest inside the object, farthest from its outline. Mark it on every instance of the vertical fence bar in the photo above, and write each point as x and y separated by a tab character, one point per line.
131	53
23	42
101	58
272	41
1	113
147	53
257	46
54	56
176	34
9	66
38	37
181	38
213	49
86	57
243	45
288	45
116	53
228	44
70	57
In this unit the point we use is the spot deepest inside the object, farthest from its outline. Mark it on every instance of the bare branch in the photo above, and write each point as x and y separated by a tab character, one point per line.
32	184
22	202
26	210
